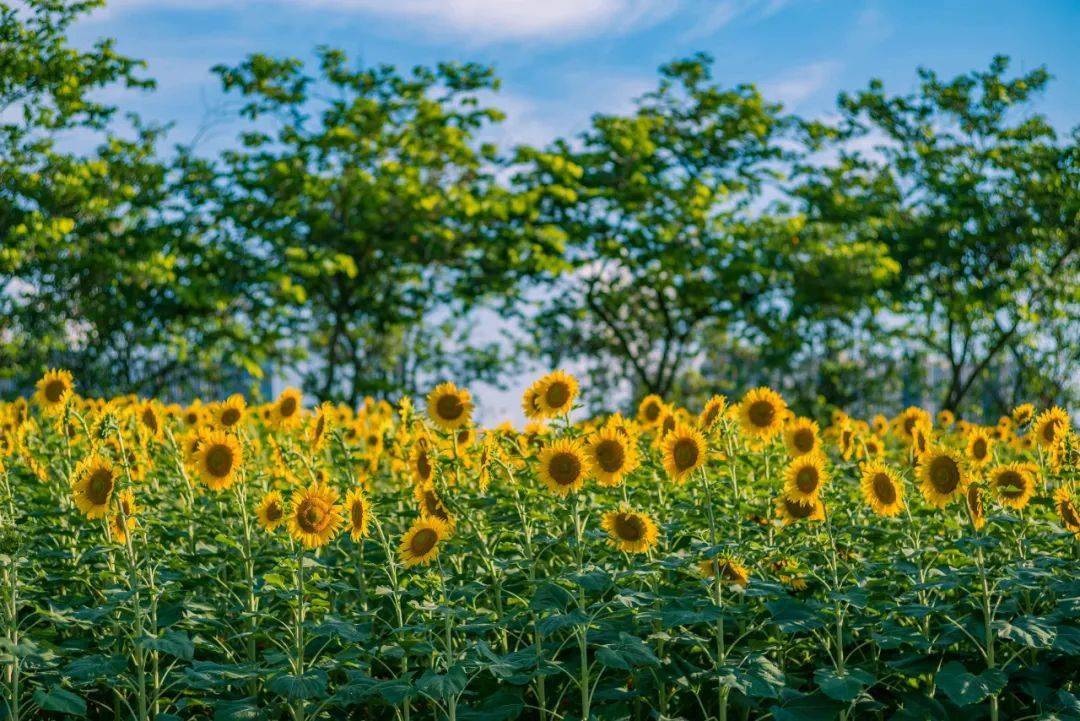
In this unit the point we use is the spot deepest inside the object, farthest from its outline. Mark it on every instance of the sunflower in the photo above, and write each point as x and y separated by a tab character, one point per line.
978	447
801	437
422	462
150	420
943	474
93	484
1023	414
922	437
945	418
218	459
791	510
805	477
359	513
314	517
449	407
230	411
880	424
761	413
730	572
973	496
287	409
684	452
271	511
712	412
564	466
420	544
612	455
1014	483
431	505
1066	510
905	423
54	389
1051	426
872	447
554	394
882	489
320	424
650	411
124	520
630	531
193	414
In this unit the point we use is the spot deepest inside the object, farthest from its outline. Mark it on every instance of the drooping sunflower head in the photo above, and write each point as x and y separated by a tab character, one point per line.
630	531
564	466
219	458
422	462
314	517
288	409
420	544
1066	510
729	571
54	389
358	513
922	436
979	445
801	437
882	488
651	410
427	498
230	412
93	484
976	507
1014	483
612	455
555	393
150	419
712	412
125	519
684	452
943	473
761	413
271	511
804	477
449	407
319	426
1051	426
792	510
1023	414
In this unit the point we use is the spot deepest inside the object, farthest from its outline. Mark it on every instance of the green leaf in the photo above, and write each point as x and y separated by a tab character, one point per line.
920	707
842	687
807	707
442	686
1029	631
503	705
60	700
312	684
237	710
550	597
793	616
174	643
627	653
964	688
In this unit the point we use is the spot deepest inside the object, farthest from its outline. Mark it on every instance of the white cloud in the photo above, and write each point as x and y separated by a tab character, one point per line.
795	86
723	12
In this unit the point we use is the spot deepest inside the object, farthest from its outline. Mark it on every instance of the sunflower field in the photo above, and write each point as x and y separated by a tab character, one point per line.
229	561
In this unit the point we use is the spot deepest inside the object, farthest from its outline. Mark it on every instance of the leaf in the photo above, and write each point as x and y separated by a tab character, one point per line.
237	710
593	581
550	597
627	653
174	643
60	700
806	707
842	687
759	677
442	686
503	705
964	688
312	684
554	623
793	616
920	707
1029	631
89	668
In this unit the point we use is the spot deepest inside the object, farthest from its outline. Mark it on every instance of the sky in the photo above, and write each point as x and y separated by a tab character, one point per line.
560	61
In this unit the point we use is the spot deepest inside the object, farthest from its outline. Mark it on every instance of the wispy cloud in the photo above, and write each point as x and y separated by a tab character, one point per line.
793	87
724	12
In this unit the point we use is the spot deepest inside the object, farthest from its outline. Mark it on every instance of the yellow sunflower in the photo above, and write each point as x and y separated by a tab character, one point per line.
761	413
287	410
792	510
882	488
1023	414
449	407
314	517
319	426
872	447
420	544
529	405
801	437
230	412
973	496
564	466
359	513
150	420
943	473
945	418
978	448
555	394
684	452
430	503
922	437
54	389
422	462
1051	426
271	511
1066	510
124	520
730	572
905	423
613	455
650	410
804	478
219	458
880	424
630	531
92	485
1014	483
712	412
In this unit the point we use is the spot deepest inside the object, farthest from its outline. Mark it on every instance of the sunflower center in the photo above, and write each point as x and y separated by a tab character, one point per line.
884	490
99	486
796	509
423	541
1068	513
565	468
1010	484
557	394
320	426
230	416
219	460
150	420
761	413
287	407
685	453
311	516
610	455
652	411
807	479
944	474
979	449
629	527
1050	430
54	391
975	501
804	440
449	407
423	465
274	512
356	513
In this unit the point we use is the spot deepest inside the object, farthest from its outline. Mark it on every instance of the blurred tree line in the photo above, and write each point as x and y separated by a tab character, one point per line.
361	233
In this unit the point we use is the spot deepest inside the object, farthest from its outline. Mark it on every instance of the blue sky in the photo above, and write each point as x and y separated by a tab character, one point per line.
562	60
